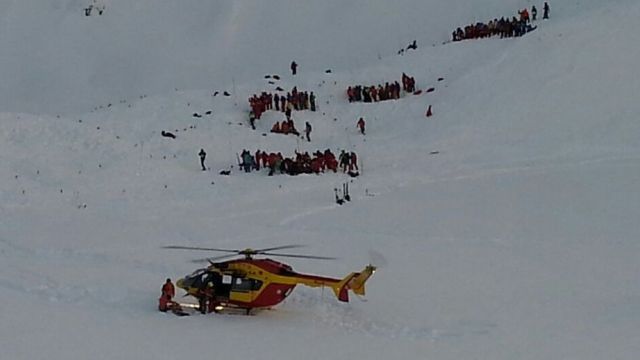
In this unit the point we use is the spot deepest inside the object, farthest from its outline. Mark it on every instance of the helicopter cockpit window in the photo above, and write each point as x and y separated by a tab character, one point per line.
227	280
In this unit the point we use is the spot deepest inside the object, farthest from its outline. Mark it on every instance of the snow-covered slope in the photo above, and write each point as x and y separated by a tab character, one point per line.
518	239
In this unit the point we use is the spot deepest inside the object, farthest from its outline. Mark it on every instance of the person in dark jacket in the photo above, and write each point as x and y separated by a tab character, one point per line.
202	155
307	130
294	67
312	101
361	125
545	9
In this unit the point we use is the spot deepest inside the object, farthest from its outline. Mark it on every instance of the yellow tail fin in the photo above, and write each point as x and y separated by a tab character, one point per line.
355	282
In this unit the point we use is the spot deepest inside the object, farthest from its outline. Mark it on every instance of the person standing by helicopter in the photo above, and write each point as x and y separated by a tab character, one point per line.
206	296
169	289
166	303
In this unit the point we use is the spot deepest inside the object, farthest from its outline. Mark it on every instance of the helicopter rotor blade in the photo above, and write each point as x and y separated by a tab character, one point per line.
210	260
301	256
260	251
178	247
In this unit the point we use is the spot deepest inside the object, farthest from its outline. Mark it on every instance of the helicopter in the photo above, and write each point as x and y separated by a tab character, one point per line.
250	283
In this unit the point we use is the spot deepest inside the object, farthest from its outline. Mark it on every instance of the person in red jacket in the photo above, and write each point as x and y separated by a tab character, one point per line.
165	303
169	289
353	161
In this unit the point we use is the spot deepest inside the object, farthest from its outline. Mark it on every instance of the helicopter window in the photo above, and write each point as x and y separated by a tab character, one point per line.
243	284
257	284
226	279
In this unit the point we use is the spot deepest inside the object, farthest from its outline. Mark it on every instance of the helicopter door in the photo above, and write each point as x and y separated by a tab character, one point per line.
224	288
244	289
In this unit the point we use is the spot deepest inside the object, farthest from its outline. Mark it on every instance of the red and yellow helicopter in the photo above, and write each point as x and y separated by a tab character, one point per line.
248	283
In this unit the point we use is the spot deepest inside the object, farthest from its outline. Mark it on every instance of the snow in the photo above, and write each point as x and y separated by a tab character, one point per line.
518	239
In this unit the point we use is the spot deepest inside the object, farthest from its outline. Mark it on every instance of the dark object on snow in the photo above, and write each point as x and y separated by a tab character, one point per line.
345	191
87	11
413	45
294	67
353	173
271	83
440	78
279	89
167	134
430	89
267	76
196	115
434	152
328	71
226	93
417	92
216	93
208	112
225	172
429	112
275	77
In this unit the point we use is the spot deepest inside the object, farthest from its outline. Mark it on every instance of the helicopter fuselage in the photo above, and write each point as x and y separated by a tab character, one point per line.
261	283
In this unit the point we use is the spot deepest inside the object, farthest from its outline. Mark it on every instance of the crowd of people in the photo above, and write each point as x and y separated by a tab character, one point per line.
293	100
360	93
286	127
373	93
503	27
301	163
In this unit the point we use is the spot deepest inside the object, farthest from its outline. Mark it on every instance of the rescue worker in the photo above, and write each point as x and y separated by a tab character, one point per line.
169	289
294	67
545	10
206	296
534	12
361	125
165	302
202	155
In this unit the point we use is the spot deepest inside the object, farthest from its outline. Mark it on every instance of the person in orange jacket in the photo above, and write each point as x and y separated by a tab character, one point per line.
165	302
169	289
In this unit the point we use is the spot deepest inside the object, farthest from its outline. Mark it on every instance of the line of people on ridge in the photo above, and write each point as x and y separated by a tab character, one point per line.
515	27
367	94
302	163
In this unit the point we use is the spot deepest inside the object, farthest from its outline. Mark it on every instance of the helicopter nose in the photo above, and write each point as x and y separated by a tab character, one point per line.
181	284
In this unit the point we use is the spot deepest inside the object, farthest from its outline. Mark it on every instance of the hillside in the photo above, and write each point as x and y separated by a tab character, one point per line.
504	226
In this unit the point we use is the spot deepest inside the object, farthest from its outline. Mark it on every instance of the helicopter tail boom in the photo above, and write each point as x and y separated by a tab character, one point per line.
355	282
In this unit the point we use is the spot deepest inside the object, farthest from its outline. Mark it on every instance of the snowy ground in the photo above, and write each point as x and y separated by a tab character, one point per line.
517	240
